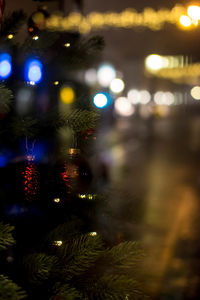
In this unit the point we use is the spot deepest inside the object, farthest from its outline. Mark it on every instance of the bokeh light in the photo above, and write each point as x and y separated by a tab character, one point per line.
145	97
194	12
123	107
91	76
156	62
185	21
164	98
134	96
67	95
195	92
5	65
105	74
117	85
33	70
100	100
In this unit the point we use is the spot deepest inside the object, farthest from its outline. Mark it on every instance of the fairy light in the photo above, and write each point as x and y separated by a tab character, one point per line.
58	243
67	45
93	233
36	37
129	18
10	36
56	200
56	82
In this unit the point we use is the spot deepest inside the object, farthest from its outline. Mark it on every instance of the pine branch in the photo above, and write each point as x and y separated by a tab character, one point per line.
6	97
66	231
6	238
80	254
13	22
39	266
124	255
115	287
66	292
10	290
80	120
24	126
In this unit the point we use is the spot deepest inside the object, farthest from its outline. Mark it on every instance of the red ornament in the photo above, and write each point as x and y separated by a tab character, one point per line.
30	178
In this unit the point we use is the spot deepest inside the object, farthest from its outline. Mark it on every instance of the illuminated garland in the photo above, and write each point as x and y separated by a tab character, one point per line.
129	18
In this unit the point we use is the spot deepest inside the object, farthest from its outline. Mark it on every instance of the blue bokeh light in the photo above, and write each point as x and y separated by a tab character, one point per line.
33	71
101	100
5	65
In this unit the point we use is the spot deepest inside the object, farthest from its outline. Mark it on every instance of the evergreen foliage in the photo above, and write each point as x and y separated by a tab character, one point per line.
70	263
6	238
10	290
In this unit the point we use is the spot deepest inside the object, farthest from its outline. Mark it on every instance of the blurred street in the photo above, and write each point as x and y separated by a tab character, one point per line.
155	183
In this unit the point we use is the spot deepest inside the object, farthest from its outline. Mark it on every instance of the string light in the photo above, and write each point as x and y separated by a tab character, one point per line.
36	37
67	45
58	243
57	200
56	82
10	36
129	18
93	233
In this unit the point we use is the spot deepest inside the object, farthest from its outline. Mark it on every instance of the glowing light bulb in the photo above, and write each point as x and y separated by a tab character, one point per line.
93	233
194	12
185	21
58	243
36	37
155	62
5	65
195	92
105	74
56	200
100	100
117	85
56	82
10	36
123	107
67	95
67	45
33	71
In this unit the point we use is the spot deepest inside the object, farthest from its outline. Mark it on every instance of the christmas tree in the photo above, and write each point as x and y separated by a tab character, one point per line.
51	244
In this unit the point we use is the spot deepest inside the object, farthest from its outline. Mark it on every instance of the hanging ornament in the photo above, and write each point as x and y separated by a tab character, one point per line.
30	174
76	174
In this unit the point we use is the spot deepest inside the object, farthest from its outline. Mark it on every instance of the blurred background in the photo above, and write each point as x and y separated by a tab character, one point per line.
145	85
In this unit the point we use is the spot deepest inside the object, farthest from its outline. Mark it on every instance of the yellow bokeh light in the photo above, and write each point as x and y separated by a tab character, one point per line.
57	200
185	21
36	37
93	233
58	243
67	95
67	45
10	36
194	12
195	92
56	82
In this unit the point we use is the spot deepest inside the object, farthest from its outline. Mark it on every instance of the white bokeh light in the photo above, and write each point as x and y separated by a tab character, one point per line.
123	107
91	76
117	85
134	96
105	74
164	98
145	97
